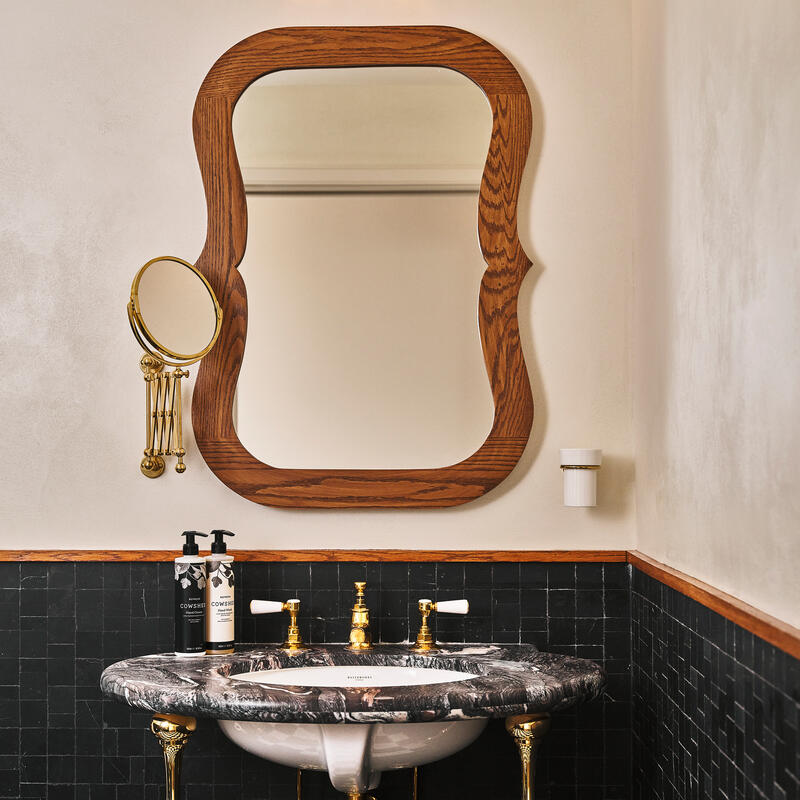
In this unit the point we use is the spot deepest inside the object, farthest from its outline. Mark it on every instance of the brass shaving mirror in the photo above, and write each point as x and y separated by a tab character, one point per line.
175	317
473	189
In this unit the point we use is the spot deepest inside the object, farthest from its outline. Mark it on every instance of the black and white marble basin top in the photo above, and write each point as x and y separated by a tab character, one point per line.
509	680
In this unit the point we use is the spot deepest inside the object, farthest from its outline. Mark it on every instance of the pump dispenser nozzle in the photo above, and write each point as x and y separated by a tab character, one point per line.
219	545
190	547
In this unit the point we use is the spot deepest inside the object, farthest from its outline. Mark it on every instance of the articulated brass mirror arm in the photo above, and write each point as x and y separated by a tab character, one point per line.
527	732
172	732
163	416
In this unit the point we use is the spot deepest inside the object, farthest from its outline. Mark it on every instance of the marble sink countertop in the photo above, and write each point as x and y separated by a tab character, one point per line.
511	679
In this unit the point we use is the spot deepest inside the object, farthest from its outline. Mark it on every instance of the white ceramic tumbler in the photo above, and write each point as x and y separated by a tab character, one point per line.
580	466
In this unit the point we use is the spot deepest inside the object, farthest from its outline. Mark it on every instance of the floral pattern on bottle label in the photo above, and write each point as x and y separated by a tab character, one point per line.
190	575
220	572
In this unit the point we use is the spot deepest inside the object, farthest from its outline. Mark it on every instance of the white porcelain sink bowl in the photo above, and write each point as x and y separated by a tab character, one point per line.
354	756
350	676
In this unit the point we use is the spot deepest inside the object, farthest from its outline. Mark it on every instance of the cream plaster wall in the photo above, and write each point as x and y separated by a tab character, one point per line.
98	174
717	264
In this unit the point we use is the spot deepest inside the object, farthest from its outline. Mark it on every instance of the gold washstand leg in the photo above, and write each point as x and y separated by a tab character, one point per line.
527	732
415	784
299	784
172	732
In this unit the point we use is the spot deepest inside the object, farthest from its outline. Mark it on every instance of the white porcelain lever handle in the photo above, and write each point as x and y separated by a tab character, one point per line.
453	607
265	606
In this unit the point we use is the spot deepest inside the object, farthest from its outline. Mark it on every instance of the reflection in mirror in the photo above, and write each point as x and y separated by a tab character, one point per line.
362	268
177	309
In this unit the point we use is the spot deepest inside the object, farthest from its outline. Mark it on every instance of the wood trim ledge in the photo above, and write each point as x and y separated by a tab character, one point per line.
780	634
326	555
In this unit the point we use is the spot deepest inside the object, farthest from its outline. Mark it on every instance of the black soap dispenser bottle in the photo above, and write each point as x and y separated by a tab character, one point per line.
219	597
190	598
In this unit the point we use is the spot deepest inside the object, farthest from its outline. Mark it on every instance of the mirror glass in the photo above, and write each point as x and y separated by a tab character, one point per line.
176	307
362	268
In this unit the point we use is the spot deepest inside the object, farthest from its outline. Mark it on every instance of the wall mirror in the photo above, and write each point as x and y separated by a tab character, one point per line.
362	268
362	187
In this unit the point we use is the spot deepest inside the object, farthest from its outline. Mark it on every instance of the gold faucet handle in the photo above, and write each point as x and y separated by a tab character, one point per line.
293	639
425	642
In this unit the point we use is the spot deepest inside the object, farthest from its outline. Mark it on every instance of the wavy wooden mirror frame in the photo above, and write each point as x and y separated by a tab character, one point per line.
213	396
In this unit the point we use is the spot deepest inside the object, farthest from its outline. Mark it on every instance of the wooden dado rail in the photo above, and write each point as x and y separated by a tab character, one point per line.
779	634
783	636
324	555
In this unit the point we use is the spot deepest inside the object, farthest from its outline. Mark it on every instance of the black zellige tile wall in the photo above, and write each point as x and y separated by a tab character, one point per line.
62	623
716	710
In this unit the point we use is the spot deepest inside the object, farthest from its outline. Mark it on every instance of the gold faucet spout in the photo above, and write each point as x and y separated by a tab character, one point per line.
360	637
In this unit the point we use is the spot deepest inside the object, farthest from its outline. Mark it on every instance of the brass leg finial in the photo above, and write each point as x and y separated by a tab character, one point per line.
172	732
527	731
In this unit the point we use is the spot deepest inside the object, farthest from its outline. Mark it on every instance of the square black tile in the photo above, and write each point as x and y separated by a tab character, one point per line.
9	575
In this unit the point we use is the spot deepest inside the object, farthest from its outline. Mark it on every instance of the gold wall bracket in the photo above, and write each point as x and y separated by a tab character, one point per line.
528	731
360	636
172	732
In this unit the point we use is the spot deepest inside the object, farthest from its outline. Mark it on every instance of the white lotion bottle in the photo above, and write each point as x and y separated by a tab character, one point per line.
190	598
219	597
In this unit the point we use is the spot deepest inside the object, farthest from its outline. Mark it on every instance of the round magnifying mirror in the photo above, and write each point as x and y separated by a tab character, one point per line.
174	312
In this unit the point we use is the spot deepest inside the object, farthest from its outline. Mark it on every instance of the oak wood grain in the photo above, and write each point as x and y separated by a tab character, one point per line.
780	634
226	239
327	555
